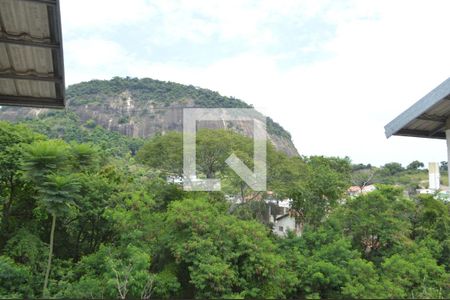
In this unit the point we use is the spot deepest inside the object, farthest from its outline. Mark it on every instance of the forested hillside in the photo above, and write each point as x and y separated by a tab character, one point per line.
142	108
410	178
93	216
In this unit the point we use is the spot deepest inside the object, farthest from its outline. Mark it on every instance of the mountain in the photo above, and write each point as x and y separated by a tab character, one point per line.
141	108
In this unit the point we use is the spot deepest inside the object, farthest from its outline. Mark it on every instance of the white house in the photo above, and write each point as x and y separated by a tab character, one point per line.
282	219
285	223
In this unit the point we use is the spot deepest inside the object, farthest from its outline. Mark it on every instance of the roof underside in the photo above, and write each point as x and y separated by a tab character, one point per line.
31	56
426	118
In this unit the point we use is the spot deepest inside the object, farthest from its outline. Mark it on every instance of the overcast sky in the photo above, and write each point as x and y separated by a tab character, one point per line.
332	73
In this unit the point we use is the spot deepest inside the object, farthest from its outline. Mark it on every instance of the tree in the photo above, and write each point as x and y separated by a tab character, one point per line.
377	222
365	282
213	148
14	279
164	152
392	168
431	218
83	156
27	249
13	138
357	167
319	190
114	272
57	193
43	158
415	165
417	275
163	193
323	271
284	172
44	161
100	225
329	267
364	177
431	226
86	227
128	272
223	256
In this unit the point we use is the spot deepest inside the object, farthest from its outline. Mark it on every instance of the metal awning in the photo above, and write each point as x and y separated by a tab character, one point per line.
426	118
31	54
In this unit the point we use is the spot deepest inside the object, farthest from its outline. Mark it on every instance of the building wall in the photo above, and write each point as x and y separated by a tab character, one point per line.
283	225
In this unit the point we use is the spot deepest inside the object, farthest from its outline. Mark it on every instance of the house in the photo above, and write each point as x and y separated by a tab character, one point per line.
357	190
282	217
285	223
281	207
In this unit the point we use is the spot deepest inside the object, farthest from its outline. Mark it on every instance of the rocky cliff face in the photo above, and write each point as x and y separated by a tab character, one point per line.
143	108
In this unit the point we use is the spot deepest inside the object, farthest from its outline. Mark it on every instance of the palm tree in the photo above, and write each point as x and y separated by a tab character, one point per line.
57	194
43	158
84	156
45	163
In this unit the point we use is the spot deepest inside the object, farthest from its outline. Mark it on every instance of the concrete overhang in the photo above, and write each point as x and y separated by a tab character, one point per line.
426	118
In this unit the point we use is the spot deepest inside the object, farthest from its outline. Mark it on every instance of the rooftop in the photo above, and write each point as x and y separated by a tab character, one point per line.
31	55
426	118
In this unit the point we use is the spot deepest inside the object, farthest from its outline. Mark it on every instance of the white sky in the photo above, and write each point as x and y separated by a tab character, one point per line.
332	73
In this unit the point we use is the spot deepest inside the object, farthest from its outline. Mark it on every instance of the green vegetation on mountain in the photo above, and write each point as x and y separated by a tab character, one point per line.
411	178
139	108
149	90
159	93
69	127
79	219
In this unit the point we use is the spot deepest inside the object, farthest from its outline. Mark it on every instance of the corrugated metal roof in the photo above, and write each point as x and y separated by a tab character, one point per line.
426	118
31	55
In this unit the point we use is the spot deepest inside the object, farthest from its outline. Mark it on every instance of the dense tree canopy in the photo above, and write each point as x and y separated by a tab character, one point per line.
81	221
415	165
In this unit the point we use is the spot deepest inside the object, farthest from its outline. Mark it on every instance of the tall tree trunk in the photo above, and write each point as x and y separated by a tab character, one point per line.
242	193
50	254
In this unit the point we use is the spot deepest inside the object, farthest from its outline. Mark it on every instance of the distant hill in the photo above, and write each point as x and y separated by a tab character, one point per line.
141	108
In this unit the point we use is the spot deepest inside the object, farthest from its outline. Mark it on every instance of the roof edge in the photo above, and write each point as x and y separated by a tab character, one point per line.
418	108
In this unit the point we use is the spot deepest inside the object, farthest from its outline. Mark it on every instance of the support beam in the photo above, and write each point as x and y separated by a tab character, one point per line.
57	56
434	118
16	76
447	134
29	43
48	2
439	129
434	176
31	101
420	133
